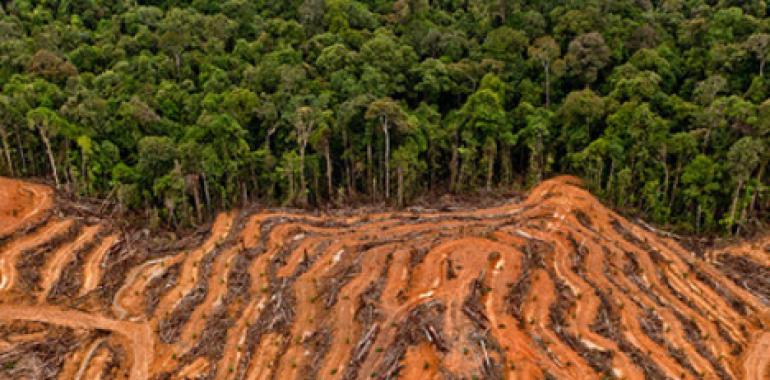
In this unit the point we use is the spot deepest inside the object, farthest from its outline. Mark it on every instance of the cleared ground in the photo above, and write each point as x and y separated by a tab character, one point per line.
555	286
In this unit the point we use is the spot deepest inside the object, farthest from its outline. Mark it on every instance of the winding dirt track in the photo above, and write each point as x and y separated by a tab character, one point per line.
553	287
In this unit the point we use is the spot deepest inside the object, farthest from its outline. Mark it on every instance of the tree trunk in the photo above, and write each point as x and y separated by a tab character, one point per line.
35	167
171	212
735	202
453	166
84	172
21	151
675	188
540	157
67	169
429	159
206	192
490	172
697	219
269	134
244	193
195	184
400	172
302	182
505	164
385	130
666	176
51	159
348	161
754	196
178	62
254	179
745	208
7	150
328	156
547	85
462	171
316	186
609	179
369	168
290	174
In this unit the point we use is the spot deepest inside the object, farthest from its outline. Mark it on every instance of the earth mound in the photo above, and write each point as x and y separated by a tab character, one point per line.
555	286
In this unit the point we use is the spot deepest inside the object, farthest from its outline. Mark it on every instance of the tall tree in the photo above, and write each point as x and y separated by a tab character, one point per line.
389	114
742	159
7	116
48	124
321	139
545	50
305	121
587	55
759	45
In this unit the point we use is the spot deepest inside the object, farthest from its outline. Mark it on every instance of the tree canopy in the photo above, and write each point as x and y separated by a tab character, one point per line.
185	107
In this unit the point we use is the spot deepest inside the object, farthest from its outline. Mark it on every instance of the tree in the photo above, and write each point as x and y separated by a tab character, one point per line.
434	79
50	66
386	63
587	55
312	13
7	117
701	183
389	114
407	162
682	146
580	110
48	124
742	159
535	135
183	108
321	139
707	90
506	44
224	155
305	121
545	50
481	122
759	45
156	156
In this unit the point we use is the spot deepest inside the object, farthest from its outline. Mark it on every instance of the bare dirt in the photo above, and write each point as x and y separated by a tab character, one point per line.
552	286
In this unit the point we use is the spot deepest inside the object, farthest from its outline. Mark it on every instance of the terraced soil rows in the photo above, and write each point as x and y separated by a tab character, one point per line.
555	286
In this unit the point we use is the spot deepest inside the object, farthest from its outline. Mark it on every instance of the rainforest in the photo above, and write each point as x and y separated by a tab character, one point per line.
379	189
178	109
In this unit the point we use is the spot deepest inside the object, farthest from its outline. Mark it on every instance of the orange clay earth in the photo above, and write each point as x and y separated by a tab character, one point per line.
556	286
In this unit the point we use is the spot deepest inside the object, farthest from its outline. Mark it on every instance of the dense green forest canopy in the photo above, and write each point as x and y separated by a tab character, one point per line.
184	107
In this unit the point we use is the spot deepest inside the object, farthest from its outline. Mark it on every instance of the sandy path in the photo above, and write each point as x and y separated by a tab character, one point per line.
92	370
189	272
92	266
129	299
55	264
85	362
10	254
140	335
168	353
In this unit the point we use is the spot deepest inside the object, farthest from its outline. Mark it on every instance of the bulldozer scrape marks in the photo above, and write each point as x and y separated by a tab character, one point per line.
555	286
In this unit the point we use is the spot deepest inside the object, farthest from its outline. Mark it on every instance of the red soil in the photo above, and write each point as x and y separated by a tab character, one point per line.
21	203
556	286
